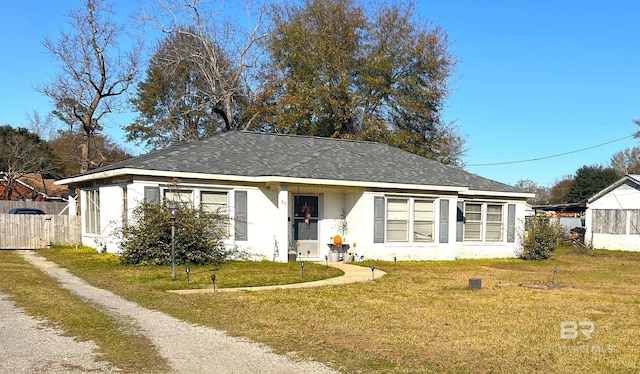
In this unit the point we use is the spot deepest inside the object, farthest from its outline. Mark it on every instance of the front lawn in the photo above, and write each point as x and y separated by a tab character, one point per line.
420	317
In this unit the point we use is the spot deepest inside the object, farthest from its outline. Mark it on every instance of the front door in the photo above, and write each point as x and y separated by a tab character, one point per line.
305	225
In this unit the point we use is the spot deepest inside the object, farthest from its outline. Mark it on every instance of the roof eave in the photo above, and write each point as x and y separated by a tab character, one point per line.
284	180
520	195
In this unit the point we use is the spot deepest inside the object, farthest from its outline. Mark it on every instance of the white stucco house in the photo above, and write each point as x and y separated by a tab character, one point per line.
283	190
612	217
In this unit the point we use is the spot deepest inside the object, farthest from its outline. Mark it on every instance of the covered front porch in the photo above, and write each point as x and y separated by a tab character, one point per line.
309	218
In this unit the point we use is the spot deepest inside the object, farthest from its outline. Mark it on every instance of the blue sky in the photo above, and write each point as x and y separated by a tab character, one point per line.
534	79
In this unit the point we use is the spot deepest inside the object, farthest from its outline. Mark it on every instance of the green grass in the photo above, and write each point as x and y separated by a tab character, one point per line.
86	261
419	318
41	297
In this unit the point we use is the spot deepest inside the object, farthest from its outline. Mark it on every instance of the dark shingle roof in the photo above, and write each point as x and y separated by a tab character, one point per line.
257	154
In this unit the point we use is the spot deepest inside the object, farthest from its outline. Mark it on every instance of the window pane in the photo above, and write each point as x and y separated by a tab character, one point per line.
307	232
598	221
423	220
399	216
472	231
216	202
179	196
397	209
494	213
473	222
92	219
397	231
473	212
306	206
212	201
423	210
494	232
494	223
616	221
473	208
423	231
397	220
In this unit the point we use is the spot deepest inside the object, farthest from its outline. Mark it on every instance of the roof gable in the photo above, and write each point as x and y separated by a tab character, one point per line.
630	179
252	154
32	186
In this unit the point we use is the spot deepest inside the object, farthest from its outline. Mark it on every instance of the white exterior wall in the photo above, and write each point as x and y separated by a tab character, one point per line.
334	204
111	204
270	223
86	239
623	197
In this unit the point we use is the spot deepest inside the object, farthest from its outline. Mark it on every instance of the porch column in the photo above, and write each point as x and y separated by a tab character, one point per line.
283	224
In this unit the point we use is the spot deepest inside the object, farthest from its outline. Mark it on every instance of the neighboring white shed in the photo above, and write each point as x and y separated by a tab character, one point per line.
613	216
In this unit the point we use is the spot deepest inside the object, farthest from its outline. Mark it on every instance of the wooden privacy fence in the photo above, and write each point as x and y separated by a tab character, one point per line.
48	207
29	231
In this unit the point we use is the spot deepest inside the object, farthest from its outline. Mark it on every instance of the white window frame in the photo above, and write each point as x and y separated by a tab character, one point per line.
473	220
92	212
488	225
220	209
497	221
426	218
397	220
402	218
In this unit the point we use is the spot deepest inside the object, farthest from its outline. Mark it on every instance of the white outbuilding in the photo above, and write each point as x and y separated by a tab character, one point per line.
612	218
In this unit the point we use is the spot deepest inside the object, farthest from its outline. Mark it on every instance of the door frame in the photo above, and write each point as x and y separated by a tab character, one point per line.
307	248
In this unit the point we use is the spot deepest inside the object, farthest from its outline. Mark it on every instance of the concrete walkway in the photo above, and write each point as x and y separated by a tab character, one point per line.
352	274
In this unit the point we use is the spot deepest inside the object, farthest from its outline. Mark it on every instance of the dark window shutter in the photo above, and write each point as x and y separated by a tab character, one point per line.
241	215
460	222
511	223
378	219
152	195
444	221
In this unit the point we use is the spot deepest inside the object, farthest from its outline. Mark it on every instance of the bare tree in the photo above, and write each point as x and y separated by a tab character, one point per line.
94	72
543	194
43	126
226	57
626	161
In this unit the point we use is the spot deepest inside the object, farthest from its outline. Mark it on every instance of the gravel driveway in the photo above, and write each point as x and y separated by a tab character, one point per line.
28	346
189	348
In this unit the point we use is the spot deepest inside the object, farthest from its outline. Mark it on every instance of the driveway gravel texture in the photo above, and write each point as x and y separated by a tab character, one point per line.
26	346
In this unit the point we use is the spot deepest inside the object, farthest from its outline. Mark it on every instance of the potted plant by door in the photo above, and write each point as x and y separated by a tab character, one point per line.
335	248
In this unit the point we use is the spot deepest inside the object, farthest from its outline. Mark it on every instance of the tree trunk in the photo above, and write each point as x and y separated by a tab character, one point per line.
84	155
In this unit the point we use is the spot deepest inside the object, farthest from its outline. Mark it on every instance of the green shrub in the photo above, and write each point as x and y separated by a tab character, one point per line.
541	238
198	236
